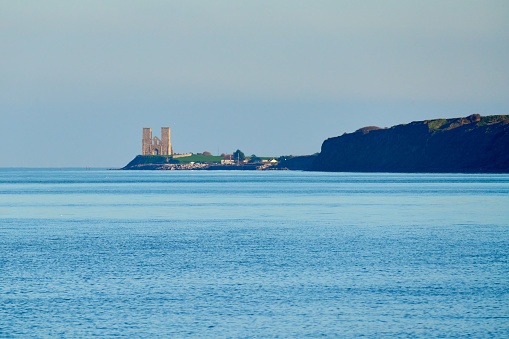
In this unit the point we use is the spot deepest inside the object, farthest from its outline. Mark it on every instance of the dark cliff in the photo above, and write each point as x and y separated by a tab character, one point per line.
301	162
468	145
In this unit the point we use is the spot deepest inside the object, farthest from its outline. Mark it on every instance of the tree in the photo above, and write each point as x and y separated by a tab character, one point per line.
284	158
238	155
207	153
254	158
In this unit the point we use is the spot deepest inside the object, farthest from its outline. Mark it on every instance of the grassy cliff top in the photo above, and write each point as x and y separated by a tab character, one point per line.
448	124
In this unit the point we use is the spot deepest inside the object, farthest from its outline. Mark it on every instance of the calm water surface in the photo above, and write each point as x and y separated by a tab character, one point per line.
253	254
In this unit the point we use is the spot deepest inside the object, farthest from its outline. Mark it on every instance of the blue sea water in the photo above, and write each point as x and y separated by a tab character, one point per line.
252	254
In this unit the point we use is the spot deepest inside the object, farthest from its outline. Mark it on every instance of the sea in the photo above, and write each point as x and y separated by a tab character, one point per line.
252	254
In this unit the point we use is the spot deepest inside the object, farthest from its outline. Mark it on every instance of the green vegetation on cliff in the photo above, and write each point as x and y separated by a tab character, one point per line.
155	161
143	160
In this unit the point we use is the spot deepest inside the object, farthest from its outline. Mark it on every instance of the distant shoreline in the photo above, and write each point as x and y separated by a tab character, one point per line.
199	162
474	144
201	167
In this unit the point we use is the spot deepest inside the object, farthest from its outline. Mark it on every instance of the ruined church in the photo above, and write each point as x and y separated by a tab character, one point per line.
156	146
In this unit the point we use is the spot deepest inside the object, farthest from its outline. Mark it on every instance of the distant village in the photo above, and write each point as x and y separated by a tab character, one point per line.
227	161
157	154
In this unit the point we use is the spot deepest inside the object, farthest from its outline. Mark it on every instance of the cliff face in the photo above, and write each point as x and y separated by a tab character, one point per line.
472	144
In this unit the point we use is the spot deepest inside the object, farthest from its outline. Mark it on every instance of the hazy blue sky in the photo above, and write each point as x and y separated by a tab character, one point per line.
80	79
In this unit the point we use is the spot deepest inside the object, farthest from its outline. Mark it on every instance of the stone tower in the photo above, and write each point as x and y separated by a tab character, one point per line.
155	146
146	142
166	148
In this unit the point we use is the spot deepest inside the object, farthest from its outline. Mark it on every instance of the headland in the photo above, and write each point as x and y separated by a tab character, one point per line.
473	144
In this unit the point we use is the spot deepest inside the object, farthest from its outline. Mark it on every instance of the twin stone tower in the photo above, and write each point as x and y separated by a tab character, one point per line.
156	146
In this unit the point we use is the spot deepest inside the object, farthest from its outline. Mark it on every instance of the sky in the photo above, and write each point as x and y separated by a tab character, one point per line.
80	79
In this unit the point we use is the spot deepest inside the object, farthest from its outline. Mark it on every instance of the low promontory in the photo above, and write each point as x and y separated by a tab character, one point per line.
474	144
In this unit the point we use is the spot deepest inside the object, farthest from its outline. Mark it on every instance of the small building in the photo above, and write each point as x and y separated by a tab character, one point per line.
227	160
